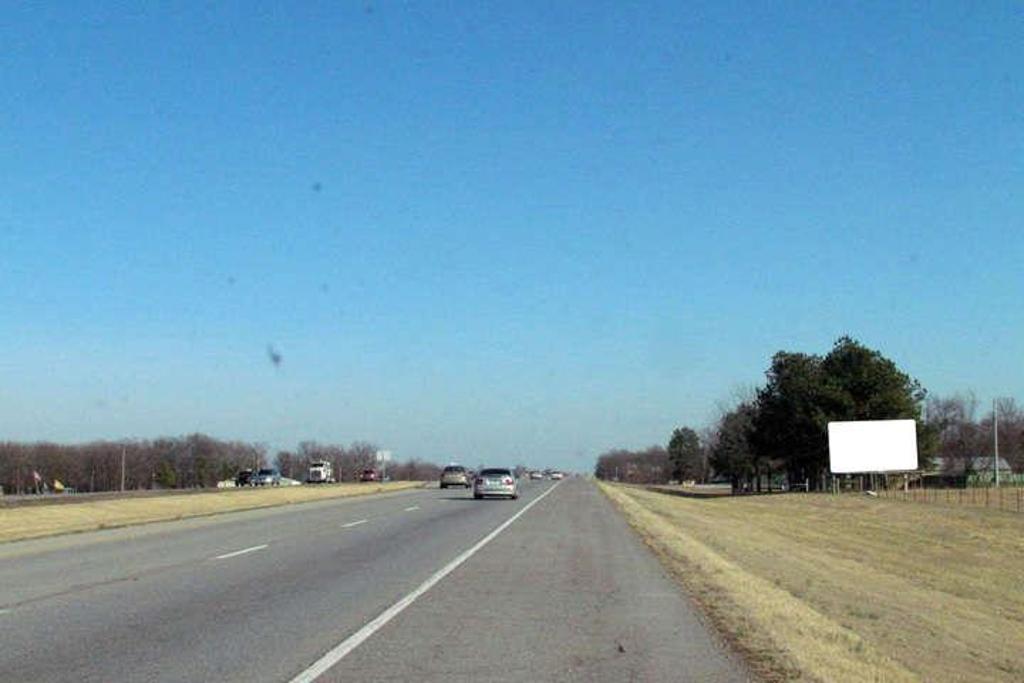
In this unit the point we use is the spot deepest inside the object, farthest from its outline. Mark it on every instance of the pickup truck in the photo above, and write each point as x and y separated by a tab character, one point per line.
244	478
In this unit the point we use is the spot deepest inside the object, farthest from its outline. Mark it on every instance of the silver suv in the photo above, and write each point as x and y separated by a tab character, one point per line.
454	475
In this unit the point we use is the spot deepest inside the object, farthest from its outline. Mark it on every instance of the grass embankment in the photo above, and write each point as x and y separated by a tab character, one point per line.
33	522
848	588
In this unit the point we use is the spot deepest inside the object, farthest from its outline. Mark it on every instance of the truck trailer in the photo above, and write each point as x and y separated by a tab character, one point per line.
320	472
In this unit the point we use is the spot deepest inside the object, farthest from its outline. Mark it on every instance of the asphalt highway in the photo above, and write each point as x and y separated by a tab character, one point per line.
424	585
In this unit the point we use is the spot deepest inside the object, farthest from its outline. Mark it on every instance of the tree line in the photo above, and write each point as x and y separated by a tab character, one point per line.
192	461
348	463
778	434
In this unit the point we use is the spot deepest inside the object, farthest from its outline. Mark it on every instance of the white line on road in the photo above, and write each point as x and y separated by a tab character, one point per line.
352	524
346	646
410	509
242	552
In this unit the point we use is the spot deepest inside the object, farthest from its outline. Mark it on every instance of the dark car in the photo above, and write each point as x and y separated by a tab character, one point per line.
244	478
369	475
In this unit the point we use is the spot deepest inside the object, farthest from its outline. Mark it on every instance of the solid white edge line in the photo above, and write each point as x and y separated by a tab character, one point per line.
352	524
339	651
242	552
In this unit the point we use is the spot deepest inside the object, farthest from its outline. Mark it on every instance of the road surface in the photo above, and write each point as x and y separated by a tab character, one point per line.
425	585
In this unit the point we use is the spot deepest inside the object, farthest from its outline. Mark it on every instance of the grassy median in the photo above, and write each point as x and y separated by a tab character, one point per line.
848	588
36	521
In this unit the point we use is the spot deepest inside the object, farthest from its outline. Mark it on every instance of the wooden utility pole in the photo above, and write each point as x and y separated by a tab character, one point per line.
995	438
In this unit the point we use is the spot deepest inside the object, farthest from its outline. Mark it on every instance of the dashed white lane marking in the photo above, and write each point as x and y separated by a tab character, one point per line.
346	646
410	509
242	552
352	524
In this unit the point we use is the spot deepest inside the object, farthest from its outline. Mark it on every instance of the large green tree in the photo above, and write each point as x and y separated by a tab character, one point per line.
805	392
793	410
868	385
732	455
684	454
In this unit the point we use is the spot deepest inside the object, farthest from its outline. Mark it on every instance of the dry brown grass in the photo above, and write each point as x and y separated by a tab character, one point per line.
848	588
36	521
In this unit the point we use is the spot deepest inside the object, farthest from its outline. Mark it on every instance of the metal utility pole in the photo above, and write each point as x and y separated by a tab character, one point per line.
995	438
122	467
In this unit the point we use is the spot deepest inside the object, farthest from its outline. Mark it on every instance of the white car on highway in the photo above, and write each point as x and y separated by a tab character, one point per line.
495	481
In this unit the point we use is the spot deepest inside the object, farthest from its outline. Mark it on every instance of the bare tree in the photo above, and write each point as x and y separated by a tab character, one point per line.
960	436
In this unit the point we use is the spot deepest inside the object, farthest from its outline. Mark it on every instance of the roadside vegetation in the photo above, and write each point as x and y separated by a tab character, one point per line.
843	587
36	521
185	462
775	436
847	588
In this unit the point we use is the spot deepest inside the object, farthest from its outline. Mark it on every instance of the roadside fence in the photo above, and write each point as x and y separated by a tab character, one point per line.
1009	498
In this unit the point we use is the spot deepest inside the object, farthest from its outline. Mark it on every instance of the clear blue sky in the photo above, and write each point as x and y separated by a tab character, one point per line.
495	232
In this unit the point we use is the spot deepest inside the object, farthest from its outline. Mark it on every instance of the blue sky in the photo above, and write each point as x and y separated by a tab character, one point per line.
495	232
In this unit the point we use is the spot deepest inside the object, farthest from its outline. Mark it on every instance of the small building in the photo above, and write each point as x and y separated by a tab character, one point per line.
973	470
958	467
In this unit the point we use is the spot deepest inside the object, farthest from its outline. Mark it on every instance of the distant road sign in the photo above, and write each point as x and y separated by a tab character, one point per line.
383	456
872	446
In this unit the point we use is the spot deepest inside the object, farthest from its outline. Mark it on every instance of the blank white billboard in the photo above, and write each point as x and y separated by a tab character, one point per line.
872	446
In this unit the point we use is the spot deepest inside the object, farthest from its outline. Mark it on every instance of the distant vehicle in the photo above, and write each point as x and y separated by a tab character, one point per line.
495	481
369	475
536	475
244	478
320	472
556	475
455	475
268	476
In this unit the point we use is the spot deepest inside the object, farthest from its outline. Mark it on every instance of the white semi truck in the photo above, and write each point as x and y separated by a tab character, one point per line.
320	472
